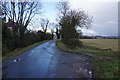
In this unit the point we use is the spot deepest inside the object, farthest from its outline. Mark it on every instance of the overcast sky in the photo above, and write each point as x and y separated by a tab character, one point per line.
105	15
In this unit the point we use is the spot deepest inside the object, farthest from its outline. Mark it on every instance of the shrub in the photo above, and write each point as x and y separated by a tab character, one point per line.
72	43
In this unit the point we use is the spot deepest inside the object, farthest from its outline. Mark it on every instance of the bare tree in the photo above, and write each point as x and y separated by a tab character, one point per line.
69	20
52	33
76	18
63	8
58	29
73	19
21	13
55	29
44	24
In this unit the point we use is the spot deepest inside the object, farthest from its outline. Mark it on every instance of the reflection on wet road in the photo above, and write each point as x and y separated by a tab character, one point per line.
47	61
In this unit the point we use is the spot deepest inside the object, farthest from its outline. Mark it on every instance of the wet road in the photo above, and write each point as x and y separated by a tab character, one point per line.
47	61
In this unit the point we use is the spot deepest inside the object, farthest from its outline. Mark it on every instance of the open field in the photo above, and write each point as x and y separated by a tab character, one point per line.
102	43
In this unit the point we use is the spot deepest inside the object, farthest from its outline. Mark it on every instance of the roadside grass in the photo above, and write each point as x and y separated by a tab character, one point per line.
21	50
86	49
104	61
104	68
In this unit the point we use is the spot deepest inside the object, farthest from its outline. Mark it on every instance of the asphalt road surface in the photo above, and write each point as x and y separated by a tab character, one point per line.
47	61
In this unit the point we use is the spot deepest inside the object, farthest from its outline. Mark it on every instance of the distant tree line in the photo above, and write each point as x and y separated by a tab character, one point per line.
98	37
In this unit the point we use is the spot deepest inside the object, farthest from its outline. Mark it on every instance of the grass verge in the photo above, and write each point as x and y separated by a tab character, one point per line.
21	50
104	62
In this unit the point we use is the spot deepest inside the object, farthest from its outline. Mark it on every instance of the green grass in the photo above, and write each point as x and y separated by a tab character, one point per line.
104	62
21	50
105	68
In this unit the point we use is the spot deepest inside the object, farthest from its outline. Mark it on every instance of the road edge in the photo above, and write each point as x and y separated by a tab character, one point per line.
22	50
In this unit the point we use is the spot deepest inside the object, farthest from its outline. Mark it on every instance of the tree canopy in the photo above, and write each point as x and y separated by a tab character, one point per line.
70	19
21	13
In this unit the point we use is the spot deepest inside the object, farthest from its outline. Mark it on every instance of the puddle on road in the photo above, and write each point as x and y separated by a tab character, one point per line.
15	60
82	69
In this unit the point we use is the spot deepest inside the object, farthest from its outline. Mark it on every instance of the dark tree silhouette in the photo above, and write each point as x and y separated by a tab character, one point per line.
73	19
57	33
20	13
63	8
44	24
69	20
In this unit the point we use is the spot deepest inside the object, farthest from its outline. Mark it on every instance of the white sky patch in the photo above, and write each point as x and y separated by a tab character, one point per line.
105	15
83	5
37	29
64	0
81	0
93	0
89	32
111	22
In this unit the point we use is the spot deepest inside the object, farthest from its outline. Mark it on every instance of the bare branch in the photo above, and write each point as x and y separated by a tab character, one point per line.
21	12
44	24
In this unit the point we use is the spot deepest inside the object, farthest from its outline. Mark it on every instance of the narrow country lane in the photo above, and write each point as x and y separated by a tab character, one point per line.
46	61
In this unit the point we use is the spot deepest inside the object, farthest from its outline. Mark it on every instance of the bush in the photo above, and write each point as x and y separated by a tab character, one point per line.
12	42
72	43
4	49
